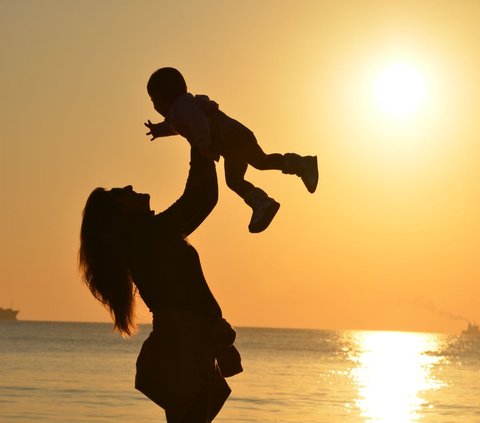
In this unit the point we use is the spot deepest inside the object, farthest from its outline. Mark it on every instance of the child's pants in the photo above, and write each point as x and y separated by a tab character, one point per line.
244	152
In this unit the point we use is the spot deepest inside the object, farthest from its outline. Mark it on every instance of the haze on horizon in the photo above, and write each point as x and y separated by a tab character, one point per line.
385	93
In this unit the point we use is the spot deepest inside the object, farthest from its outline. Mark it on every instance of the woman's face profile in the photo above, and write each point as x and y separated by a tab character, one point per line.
131	201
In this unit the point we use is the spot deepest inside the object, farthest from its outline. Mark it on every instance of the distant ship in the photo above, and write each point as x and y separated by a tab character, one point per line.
8	314
472	329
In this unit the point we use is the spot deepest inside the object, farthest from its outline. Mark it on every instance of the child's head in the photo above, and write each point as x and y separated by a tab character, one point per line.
164	87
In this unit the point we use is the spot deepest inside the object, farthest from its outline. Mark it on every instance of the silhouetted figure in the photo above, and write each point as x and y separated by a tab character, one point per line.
125	247
199	120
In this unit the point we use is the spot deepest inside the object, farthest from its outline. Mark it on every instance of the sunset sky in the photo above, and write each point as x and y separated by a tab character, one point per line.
385	93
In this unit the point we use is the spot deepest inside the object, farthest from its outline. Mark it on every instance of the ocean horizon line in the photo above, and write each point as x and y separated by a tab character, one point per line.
313	329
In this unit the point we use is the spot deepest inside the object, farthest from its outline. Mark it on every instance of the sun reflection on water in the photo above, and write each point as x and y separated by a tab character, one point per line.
393	371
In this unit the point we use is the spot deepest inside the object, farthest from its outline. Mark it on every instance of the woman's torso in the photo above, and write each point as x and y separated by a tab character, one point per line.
168	274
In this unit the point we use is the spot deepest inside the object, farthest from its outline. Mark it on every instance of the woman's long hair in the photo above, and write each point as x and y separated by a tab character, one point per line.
102	258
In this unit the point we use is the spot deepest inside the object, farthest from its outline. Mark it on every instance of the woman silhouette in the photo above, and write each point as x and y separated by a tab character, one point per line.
126	247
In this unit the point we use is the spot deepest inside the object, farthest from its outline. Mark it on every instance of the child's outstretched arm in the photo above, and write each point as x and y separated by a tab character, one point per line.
159	130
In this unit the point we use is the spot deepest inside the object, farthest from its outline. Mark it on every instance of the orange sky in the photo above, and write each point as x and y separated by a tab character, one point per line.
388	241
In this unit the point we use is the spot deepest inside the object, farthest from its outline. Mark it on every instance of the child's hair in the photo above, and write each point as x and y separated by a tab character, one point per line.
167	84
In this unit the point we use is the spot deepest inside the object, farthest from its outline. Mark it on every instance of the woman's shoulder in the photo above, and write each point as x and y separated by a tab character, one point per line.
156	230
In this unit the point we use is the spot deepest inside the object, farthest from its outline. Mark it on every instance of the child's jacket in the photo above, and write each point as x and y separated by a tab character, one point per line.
199	120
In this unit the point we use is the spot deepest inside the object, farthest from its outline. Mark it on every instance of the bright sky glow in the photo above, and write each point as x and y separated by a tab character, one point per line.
400	90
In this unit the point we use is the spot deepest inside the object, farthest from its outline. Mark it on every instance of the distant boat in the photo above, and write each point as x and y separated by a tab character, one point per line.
8	314
472	329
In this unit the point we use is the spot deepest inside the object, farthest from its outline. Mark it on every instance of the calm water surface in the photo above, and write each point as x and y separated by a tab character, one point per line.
80	372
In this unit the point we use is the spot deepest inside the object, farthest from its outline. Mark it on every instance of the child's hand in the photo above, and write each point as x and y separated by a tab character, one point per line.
154	133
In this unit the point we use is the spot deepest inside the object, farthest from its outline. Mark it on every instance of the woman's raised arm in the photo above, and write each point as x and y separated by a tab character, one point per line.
198	199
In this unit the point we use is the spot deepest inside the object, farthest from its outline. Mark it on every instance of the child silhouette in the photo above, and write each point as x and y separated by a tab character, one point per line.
199	120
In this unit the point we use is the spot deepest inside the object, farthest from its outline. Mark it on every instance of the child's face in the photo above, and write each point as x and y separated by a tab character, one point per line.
160	105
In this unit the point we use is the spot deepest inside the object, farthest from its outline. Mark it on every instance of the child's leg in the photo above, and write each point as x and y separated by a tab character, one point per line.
264	208
290	163
253	154
235	176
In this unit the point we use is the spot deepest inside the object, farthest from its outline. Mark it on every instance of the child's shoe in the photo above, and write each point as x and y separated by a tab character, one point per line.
305	167
263	215
264	209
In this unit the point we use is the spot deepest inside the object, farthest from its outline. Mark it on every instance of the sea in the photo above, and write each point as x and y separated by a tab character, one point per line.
83	372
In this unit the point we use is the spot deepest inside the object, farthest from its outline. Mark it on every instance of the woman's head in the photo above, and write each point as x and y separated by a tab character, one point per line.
104	235
130	202
164	87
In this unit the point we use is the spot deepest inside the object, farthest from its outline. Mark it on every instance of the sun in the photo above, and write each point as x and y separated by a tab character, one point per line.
400	90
